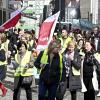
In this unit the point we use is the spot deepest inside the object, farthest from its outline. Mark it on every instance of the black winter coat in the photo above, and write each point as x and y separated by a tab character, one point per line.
49	74
88	68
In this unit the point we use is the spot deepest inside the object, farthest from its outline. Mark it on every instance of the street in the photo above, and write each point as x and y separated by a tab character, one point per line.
56	40
9	84
9	96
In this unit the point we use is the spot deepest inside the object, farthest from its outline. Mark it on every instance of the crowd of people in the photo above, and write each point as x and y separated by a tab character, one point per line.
71	62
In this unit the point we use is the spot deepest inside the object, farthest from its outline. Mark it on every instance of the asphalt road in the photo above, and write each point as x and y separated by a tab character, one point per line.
9	84
9	96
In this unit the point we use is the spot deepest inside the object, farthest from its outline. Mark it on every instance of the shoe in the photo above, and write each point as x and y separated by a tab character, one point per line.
4	92
4	89
98	95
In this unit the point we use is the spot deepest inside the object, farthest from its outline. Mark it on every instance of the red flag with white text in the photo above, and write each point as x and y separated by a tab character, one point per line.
46	31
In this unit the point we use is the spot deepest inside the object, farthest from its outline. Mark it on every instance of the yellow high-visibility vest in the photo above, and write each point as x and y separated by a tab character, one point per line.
21	70
31	43
97	57
44	60
5	45
3	63
75	71
64	44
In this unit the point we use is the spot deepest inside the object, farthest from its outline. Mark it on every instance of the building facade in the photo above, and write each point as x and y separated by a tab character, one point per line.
3	11
85	6
99	11
90	10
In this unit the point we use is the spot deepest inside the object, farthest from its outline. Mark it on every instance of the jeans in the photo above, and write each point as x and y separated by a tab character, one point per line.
47	89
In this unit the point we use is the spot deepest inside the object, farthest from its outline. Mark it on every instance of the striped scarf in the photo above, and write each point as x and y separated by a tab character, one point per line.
67	64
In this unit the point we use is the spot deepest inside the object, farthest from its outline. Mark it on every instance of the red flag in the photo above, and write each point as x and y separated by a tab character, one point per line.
15	16
13	20
46	31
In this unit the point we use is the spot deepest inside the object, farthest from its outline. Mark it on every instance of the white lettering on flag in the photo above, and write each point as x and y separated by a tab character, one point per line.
46	31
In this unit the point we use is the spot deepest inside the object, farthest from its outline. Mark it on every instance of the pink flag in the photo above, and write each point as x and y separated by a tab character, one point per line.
46	31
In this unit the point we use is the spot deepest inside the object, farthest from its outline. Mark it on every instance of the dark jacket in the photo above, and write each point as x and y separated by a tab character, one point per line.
88	65
14	38
73	81
49	74
2	67
12	48
93	38
88	68
2	55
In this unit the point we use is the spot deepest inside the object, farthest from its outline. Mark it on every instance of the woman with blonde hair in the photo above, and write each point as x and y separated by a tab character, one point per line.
71	72
50	63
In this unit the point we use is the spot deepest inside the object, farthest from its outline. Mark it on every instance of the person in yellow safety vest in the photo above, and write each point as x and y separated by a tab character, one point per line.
23	71
3	67
5	45
30	40
71	73
5	41
65	39
50	63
